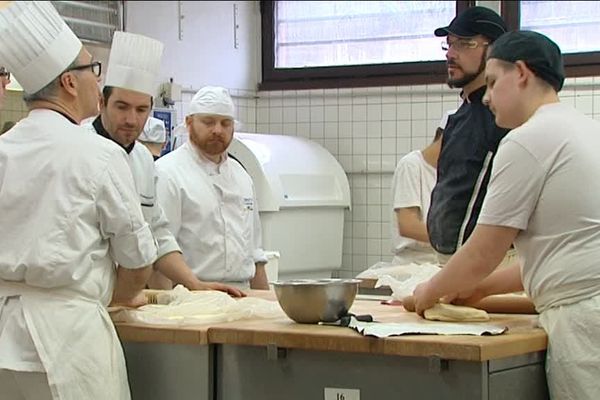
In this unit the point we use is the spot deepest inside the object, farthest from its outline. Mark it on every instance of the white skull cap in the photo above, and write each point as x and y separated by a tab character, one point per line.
37	45
134	62
154	131
444	119
212	100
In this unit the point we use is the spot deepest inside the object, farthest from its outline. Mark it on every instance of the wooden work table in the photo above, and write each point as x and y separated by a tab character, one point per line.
522	335
235	353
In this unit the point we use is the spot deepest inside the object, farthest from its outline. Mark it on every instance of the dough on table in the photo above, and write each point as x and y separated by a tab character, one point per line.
452	313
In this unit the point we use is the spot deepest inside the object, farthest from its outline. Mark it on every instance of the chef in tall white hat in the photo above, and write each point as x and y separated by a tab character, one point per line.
127	99
70	213
209	197
154	136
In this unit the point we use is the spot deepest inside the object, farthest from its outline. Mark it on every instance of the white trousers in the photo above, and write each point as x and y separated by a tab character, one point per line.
16	385
573	356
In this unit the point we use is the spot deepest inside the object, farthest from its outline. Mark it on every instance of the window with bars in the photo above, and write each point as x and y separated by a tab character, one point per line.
317	44
573	25
92	21
330	33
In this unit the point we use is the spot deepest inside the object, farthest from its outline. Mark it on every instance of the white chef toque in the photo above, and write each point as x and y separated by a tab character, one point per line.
212	100
134	62
37	45
154	131
444	119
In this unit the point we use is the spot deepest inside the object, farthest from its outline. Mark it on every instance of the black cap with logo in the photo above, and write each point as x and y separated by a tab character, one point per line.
475	21
541	55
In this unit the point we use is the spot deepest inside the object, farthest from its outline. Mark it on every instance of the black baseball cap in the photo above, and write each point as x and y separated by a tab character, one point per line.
475	21
541	55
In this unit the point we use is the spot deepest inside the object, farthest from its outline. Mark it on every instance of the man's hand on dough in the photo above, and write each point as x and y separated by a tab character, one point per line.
464	298
424	299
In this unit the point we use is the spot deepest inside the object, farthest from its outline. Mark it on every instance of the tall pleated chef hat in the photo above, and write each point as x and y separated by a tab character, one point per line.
154	131
37	45
134	62
213	100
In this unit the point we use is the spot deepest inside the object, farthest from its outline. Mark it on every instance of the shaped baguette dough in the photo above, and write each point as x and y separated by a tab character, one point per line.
452	313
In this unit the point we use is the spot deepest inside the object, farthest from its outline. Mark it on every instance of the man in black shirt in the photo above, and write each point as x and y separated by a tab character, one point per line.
471	137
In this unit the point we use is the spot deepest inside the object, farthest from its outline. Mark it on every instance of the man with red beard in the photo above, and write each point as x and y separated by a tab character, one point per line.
209	198
471	137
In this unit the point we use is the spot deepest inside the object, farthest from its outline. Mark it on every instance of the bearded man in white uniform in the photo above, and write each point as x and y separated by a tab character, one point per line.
126	104
543	196
70	214
209	198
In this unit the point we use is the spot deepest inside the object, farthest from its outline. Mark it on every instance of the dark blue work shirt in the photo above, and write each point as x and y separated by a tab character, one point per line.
469	144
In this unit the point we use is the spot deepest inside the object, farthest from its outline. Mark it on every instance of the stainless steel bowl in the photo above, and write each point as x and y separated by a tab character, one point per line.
309	301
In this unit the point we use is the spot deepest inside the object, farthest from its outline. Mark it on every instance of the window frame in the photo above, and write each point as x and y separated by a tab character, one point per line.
407	73
76	23
576	64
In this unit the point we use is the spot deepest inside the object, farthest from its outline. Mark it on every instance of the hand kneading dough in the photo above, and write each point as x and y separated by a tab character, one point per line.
452	313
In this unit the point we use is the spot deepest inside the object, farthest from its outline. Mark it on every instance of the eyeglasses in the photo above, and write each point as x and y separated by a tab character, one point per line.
96	67
463	44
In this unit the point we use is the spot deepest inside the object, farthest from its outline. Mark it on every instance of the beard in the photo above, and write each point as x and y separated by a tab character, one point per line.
468	77
212	146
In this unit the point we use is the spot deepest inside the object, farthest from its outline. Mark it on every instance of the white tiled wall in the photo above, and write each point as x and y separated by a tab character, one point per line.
13	109
368	131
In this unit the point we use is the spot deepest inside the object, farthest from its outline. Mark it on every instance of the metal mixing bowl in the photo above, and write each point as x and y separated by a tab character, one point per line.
309	301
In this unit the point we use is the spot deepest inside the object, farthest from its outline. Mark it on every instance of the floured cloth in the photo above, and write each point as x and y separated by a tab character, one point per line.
184	308
424	327
406	278
397	271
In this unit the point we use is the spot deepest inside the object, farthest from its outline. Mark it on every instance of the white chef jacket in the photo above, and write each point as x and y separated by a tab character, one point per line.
69	211
412	185
142	167
213	214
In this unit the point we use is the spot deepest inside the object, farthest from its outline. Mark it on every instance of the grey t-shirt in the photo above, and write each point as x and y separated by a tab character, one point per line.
545	182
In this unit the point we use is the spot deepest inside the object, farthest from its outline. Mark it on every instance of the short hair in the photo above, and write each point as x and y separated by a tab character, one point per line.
107	92
49	91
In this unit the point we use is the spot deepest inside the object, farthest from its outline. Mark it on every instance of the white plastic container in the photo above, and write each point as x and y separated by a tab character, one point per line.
302	193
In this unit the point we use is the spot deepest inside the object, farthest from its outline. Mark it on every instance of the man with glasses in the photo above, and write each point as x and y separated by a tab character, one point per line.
126	103
69	215
471	137
95	66
4	81
543	196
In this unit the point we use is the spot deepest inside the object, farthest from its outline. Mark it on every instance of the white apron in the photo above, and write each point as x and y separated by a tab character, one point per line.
76	341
